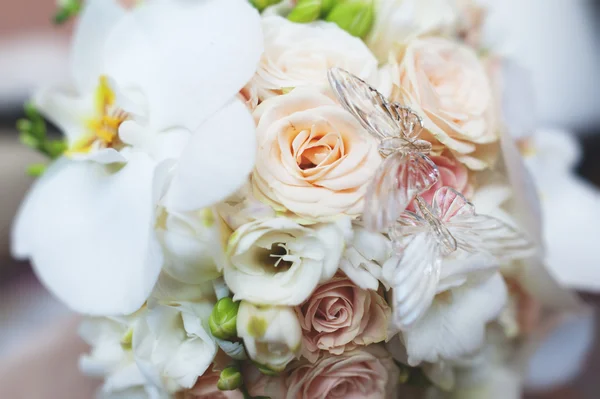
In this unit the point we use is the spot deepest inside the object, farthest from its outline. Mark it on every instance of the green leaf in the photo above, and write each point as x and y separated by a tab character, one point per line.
36	169
355	17
67	9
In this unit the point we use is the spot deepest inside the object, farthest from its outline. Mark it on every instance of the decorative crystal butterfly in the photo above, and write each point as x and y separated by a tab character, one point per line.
425	237
407	170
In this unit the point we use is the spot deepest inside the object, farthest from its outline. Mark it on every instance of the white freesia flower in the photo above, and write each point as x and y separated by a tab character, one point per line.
111	358
397	21
364	258
194	245
455	324
300	55
162	106
242	207
173	346
279	262
272	334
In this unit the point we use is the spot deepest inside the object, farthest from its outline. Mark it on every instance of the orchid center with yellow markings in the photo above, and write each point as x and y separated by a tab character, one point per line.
102	129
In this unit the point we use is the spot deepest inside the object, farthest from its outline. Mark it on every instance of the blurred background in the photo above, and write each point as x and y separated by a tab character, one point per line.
557	40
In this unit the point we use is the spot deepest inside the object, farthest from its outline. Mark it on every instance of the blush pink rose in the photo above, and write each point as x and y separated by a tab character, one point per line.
453	174
359	374
340	316
206	388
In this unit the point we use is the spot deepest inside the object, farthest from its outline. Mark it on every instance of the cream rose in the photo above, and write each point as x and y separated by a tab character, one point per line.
368	374
271	334
447	84
339	316
300	55
398	21
314	159
279	262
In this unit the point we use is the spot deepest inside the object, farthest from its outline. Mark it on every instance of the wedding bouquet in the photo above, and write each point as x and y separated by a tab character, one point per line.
296	199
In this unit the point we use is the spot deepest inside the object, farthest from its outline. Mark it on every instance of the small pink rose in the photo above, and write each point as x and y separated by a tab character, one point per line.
340	316
206	388
453	174
359	374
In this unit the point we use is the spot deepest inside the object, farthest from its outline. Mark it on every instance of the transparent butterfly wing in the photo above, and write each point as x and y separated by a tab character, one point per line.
408	121
367	105
395	184
414	279
479	233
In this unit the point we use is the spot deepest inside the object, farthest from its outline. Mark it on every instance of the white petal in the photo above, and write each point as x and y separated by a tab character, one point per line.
63	107
217	160
455	326
89	234
97	19
190	58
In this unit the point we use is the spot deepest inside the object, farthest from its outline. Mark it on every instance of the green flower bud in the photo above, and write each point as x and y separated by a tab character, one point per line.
24	125
355	17
223	319
306	11
262	4
230	379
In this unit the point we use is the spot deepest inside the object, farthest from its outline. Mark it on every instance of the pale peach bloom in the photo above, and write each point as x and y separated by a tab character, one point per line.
447	84
359	374
299	54
314	160
340	316
206	388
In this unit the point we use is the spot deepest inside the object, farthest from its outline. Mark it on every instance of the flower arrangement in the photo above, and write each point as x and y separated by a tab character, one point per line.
285	199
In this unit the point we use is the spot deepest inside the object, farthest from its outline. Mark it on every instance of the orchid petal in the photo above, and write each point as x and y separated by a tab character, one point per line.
111	271
216	46
217	160
97	19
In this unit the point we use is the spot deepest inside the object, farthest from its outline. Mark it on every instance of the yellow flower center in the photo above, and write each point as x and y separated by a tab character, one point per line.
102	130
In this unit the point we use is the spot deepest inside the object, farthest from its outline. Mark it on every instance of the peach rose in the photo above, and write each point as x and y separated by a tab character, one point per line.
339	316
360	374
452	174
447	84
299	54
314	159
206	388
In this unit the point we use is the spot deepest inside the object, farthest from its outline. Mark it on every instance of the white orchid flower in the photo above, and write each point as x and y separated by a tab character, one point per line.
153	101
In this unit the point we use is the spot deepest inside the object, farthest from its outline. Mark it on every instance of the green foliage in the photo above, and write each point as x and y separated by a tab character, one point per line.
66	10
33	133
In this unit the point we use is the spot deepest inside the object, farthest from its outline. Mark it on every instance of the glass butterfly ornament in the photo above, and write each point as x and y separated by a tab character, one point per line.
423	238
406	170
